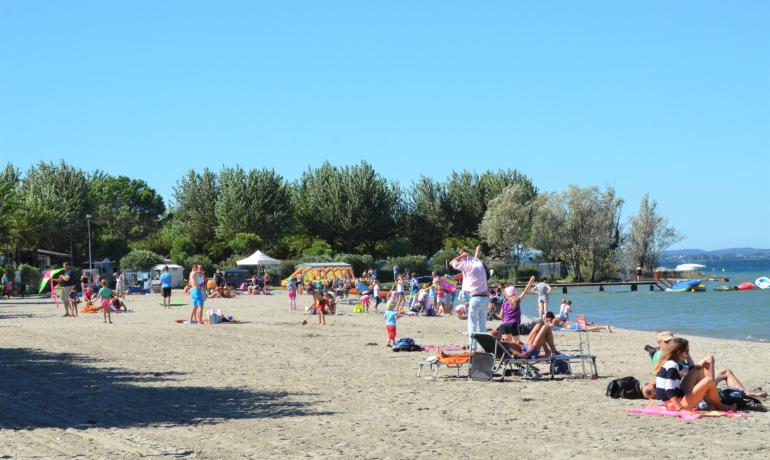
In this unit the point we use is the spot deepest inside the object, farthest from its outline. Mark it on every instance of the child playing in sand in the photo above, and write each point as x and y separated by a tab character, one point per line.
390	324
320	307
292	289
365	300
104	294
376	294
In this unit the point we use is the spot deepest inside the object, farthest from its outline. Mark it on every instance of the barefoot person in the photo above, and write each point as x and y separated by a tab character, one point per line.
541	336
706	367
670	372
104	296
475	285
197	281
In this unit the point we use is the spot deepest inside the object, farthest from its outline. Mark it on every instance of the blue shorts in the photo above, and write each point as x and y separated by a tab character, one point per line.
197	297
532	353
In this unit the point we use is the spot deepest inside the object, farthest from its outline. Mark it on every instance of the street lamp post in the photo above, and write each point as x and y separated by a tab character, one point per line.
88	221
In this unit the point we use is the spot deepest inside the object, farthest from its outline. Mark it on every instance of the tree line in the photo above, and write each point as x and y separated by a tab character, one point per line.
351	211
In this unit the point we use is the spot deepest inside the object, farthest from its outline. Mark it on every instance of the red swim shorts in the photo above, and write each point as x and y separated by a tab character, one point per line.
391	332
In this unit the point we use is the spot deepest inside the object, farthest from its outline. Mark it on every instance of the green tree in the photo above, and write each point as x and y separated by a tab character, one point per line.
245	243
348	206
427	214
54	202
318	248
9	204
507	223
649	234
549	234
592	228
140	260
124	208
195	198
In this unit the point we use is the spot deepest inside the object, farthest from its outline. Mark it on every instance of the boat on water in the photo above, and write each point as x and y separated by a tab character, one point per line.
689	267
685	285
762	282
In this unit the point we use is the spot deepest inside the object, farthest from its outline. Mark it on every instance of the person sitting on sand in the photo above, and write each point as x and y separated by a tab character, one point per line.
706	366
556	322
541	336
670	371
331	302
117	304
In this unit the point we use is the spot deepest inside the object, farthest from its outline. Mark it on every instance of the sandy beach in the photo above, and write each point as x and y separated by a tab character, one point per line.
270	387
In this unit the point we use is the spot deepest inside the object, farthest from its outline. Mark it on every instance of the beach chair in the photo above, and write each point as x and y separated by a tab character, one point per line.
527	367
435	363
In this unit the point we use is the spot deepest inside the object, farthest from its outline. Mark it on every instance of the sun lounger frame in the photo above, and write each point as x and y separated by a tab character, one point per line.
507	361
435	366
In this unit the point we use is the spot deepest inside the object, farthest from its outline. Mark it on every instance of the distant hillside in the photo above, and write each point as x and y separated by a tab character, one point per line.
717	253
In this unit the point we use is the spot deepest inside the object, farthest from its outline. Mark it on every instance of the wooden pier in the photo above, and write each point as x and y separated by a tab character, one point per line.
660	284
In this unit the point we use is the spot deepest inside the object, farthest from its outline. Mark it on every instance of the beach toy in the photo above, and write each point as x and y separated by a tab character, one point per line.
648	389
762	282
748	285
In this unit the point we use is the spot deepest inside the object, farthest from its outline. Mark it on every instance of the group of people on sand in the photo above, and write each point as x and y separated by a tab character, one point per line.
104	299
683	384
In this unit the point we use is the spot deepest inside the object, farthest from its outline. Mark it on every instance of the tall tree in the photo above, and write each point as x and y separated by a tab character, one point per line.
195	197
9	203
232	206
54	204
548	227
427	215
507	223
270	206
592	227
124	208
347	206
649	234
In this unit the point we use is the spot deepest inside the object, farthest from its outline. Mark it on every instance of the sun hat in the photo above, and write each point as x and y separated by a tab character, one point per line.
665	336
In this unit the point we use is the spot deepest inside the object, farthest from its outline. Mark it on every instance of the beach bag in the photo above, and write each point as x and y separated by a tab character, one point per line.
358	308
561	367
406	344
732	395
214	318
625	388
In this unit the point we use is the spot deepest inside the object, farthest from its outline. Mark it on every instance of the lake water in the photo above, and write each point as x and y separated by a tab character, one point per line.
743	315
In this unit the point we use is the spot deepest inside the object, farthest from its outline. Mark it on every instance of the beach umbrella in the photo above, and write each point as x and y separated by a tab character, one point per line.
47	277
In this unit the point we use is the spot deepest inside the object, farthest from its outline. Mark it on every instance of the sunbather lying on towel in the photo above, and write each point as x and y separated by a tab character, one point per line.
540	337
551	319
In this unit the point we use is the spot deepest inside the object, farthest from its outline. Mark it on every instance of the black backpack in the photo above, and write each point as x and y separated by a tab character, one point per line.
731	395
626	388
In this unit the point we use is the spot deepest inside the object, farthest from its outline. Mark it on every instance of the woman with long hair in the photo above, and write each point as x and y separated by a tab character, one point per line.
671	369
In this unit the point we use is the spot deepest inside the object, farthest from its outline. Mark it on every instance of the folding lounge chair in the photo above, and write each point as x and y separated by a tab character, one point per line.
490	344
455	362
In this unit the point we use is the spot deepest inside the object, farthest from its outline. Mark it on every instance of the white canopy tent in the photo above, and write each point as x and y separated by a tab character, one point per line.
258	258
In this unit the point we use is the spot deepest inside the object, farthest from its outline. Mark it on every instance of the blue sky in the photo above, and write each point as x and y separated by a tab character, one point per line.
670	98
